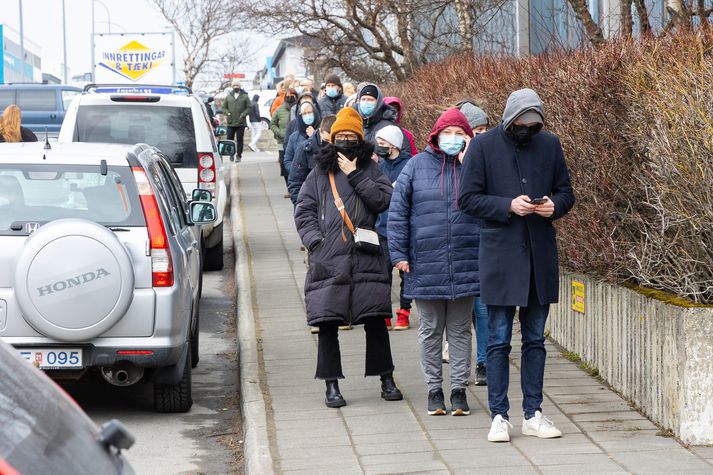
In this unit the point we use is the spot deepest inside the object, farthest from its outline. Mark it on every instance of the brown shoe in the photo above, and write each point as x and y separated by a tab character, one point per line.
314	330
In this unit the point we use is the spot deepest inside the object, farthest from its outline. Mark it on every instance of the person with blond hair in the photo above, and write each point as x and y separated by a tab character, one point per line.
11	129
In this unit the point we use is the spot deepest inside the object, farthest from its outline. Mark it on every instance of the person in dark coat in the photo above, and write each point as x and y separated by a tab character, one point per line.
345	285
391	161
307	121
304	161
436	244
516	180
255	122
376	114
278	125
237	108
333	100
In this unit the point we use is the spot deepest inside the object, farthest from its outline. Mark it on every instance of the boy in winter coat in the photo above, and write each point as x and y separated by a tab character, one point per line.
346	285
436	245
391	161
304	160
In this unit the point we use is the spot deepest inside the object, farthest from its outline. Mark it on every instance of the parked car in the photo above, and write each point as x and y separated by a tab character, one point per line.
100	264
45	431
43	106
177	124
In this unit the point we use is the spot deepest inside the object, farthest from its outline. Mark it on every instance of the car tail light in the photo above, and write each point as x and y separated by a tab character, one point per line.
206	171
6	468
161	263
134	352
122	98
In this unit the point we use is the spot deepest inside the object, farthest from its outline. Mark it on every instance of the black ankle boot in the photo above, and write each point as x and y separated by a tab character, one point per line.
333	396
389	391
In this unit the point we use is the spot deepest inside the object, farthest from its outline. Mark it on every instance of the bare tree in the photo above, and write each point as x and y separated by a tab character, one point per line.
198	24
591	28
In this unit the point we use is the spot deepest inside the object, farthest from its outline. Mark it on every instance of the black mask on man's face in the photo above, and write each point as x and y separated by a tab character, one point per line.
524	133
290	99
348	147
382	152
236	89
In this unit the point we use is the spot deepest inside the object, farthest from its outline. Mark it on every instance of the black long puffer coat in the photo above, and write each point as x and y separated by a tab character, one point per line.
343	284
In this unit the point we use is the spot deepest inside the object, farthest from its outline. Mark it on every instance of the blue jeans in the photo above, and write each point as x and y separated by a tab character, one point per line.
532	364
480	322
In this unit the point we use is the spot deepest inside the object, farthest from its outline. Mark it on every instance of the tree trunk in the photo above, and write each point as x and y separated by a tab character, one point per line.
644	22
679	13
465	23
627	22
593	31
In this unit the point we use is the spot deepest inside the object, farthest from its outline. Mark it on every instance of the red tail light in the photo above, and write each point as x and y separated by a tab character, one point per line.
161	263
206	171
134	352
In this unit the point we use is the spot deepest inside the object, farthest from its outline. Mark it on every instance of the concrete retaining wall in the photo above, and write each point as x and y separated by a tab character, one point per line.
658	355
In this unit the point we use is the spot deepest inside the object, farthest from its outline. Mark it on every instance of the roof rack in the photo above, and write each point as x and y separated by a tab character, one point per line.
94	87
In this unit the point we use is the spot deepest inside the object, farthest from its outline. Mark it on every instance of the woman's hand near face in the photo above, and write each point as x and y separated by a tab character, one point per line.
345	165
465	149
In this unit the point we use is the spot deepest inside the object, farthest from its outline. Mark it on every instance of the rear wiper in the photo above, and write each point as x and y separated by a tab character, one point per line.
120	230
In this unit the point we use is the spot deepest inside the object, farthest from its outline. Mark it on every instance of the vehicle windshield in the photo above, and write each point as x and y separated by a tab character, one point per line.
170	129
31	195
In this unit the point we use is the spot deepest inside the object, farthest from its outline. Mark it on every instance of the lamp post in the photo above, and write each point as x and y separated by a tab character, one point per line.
64	41
22	43
109	23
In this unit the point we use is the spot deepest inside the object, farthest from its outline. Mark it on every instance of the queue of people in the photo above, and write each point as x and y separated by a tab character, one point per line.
467	222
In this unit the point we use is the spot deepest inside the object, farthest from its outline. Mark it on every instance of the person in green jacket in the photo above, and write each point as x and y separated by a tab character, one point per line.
278	125
237	108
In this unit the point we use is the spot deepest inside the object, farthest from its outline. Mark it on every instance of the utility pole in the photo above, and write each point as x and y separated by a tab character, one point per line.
22	43
64	41
92	40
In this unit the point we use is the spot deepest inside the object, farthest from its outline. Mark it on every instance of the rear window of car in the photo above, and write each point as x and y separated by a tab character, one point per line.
7	97
37	99
170	129
43	193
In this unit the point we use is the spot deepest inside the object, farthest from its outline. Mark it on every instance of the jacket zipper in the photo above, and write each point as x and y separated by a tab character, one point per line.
448	206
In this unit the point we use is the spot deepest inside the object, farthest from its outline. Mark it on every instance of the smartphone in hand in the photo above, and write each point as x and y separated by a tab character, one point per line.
538	201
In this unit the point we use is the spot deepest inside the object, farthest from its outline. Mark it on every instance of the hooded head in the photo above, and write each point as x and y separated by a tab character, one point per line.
451	117
256	98
371	90
520	102
306	110
395	104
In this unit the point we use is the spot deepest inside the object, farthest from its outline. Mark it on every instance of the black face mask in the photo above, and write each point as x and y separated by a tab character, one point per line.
348	147
382	152
523	133
236	89
290	99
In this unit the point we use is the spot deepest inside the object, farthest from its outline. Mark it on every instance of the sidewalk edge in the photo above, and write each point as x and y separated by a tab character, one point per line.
256	445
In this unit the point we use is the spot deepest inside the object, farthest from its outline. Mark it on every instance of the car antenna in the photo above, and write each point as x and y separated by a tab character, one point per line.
47	140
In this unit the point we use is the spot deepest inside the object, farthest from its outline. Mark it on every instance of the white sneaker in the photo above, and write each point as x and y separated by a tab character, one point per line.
540	426
252	147
444	355
499	430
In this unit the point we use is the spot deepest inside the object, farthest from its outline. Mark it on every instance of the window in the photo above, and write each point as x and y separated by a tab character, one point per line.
67	97
37	99
170	129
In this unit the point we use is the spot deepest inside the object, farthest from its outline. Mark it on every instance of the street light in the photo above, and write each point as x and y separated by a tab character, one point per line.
108	22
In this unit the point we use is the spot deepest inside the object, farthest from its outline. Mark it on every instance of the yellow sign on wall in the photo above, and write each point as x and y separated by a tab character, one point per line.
578	296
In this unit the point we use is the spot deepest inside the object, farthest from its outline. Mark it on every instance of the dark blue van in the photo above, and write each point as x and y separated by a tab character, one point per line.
42	105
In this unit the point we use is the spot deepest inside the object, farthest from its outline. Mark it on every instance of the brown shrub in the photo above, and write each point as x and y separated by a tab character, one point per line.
636	126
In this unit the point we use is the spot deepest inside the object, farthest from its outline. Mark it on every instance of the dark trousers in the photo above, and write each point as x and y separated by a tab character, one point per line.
378	350
403	302
238	132
532	361
281	161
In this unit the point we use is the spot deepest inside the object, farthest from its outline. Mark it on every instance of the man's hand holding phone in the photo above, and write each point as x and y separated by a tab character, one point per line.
521	206
544	206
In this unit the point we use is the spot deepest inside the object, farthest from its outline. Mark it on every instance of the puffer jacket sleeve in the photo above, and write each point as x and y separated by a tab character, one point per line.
373	188
473	198
298	173
307	212
398	228
290	145
277	127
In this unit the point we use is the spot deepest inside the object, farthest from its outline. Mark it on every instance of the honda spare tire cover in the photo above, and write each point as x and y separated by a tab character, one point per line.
74	280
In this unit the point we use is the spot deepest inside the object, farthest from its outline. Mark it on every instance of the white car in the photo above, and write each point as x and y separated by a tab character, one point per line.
169	118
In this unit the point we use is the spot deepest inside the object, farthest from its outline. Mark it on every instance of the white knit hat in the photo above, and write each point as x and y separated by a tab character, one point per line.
392	134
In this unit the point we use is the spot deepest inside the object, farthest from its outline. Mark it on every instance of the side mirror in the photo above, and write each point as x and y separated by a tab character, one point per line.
202	212
227	148
220	130
200	194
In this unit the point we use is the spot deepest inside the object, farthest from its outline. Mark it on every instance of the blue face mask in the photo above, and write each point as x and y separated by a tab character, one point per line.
332	92
308	119
299	90
367	108
451	144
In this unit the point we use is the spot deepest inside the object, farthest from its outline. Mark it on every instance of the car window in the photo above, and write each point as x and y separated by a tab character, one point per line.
67	96
43	193
170	129
164	195
7	97
37	99
175	189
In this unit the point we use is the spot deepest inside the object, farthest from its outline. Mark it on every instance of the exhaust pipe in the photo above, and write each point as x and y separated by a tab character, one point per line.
123	374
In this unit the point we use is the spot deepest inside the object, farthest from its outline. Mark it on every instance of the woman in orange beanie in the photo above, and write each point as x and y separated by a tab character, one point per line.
347	282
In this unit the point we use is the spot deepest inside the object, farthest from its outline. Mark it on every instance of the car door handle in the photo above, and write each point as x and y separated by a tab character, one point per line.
53	116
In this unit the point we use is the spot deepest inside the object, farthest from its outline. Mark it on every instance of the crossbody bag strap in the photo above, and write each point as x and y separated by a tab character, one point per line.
340	207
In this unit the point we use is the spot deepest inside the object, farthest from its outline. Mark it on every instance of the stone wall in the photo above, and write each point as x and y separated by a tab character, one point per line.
658	355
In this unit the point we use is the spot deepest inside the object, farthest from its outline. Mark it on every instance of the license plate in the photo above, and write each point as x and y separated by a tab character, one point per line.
54	358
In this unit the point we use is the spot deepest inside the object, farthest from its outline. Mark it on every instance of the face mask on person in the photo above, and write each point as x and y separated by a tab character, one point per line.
367	108
236	90
308	119
451	144
299	90
524	133
332	92
348	148
290	99
383	152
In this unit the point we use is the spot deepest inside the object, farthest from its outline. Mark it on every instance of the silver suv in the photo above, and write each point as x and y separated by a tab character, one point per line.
100	264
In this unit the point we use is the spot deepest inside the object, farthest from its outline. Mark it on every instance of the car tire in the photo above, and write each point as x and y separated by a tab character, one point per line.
213	258
265	123
175	397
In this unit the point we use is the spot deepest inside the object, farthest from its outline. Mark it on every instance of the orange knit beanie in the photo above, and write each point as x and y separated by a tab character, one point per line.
348	120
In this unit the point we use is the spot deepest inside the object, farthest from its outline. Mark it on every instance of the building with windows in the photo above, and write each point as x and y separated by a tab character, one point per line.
13	67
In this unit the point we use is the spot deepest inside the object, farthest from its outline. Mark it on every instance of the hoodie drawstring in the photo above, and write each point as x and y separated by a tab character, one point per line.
455	179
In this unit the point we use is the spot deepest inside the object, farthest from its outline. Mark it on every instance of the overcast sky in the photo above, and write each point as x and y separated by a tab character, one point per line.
43	25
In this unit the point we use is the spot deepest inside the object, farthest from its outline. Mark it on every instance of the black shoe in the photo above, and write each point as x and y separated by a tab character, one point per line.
436	406
333	396
481	375
459	403
389	391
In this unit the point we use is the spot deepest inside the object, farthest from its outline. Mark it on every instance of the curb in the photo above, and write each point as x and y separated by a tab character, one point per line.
256	446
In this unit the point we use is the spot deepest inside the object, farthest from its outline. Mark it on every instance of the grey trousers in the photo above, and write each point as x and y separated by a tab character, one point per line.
455	317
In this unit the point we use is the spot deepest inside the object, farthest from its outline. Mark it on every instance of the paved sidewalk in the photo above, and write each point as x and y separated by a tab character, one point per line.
602	434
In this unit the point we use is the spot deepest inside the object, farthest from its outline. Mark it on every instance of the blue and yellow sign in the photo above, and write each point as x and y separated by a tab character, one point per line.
133	60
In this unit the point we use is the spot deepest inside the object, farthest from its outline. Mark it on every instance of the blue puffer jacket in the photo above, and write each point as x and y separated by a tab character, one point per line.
392	170
427	229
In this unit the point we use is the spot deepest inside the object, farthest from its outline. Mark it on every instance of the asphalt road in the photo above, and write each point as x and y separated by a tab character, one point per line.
208	439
